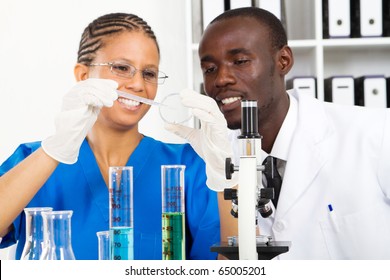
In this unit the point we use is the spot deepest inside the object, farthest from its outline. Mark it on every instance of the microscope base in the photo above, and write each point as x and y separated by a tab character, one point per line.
265	251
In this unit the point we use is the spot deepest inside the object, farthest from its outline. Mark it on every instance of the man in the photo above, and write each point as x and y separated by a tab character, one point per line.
334	160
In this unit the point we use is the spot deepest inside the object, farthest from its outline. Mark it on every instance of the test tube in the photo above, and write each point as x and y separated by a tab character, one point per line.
173	212
121	212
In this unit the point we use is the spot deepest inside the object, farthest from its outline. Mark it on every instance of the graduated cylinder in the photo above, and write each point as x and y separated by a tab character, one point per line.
173	212
121	212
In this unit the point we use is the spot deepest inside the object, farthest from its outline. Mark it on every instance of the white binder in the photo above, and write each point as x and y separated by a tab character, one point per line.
234	4
339	18
340	90
371	18
371	91
210	10
304	84
273	6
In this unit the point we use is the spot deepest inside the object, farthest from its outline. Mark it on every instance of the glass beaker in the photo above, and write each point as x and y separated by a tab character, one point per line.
57	235
173	212
34	233
104	245
121	212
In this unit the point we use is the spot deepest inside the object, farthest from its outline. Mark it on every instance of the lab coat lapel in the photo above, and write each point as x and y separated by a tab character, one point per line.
308	150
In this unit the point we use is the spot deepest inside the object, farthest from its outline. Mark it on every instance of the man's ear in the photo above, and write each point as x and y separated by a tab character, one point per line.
81	72
285	60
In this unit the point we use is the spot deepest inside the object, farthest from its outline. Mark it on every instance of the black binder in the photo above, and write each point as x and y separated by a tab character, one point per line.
367	18
386	17
336	23
355	18
340	90
370	91
305	84
388	91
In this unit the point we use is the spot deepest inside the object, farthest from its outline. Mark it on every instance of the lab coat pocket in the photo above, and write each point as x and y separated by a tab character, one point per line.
360	235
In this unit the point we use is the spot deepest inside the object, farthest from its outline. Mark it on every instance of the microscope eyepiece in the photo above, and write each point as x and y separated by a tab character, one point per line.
249	119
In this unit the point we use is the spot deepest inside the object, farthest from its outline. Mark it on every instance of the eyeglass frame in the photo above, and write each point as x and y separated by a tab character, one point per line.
160	79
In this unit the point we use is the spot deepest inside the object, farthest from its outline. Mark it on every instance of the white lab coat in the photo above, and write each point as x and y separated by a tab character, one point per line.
339	155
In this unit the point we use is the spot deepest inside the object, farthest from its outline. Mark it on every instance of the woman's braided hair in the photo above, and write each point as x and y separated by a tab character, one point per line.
93	36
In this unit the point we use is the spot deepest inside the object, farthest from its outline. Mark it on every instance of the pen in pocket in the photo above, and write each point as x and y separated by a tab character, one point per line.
333	218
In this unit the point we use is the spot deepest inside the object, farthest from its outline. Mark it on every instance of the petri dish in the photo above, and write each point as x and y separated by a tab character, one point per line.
173	111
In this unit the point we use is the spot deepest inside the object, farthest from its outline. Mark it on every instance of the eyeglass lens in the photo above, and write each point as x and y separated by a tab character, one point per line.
127	70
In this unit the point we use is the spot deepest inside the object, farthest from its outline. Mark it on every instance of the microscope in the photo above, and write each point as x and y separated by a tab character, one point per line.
253	197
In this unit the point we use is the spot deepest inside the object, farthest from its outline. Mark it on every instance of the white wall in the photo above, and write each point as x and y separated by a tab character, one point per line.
38	49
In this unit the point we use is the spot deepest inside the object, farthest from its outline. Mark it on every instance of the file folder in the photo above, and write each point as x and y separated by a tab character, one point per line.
304	84
340	90
210	10
367	18
336	16
370	91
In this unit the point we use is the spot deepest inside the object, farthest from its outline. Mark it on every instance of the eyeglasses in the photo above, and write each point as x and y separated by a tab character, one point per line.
126	70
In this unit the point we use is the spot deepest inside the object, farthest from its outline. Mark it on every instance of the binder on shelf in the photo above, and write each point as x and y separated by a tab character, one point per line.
304	84
388	91
340	90
234	4
370	91
277	7
210	10
386	17
336	17
367	18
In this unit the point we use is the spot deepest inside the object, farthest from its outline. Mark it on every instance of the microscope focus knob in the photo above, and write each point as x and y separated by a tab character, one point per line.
267	193
229	194
229	168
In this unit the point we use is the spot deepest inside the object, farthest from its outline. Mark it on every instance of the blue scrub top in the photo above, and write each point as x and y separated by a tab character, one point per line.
80	187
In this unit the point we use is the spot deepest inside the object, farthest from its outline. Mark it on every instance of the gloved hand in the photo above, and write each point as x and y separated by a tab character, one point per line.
210	141
80	108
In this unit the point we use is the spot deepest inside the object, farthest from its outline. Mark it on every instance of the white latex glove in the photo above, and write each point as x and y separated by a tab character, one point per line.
210	141
80	108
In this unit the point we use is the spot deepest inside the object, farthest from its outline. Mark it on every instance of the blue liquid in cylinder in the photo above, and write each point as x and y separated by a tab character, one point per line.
122	243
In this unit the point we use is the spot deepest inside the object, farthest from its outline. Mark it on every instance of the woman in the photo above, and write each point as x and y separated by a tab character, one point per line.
95	130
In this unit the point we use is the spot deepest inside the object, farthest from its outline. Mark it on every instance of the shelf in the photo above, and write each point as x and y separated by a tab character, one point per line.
340	43
314	55
334	43
302	44
378	42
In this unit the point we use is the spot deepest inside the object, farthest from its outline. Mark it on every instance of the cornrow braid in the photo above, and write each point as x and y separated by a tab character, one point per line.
94	34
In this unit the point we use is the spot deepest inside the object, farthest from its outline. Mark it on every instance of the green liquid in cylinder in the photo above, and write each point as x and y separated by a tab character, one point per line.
173	236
